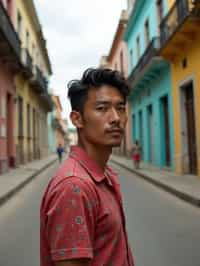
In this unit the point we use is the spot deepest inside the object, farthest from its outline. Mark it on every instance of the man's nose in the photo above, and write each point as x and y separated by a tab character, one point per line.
114	115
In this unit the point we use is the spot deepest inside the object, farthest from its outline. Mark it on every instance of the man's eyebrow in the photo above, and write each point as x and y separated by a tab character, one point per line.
108	102
102	102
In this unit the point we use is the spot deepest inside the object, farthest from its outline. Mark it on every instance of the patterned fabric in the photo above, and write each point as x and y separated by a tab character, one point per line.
82	215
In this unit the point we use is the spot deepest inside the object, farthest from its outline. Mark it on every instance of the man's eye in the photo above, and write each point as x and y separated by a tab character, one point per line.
121	108
101	108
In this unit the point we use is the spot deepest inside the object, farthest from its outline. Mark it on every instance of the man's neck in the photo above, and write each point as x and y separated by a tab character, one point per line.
99	154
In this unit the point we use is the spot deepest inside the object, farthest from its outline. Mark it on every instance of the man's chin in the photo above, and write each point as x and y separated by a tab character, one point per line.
115	144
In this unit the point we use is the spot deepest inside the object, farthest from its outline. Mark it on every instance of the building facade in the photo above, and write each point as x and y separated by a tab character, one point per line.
180	38
150	79
33	101
9	66
117	59
59	124
130	6
51	131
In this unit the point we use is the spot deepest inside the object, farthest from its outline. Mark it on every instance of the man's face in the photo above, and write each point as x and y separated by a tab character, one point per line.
104	117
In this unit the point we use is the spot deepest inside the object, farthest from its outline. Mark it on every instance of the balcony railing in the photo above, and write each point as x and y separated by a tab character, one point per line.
27	60
47	98
39	81
149	53
176	16
42	81
7	32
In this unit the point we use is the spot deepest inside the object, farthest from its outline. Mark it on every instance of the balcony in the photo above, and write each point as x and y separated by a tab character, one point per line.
27	69
47	101
180	27
10	46
147	66
57	125
38	81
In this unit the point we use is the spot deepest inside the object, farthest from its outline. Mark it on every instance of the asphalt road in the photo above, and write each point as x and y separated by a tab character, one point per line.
162	229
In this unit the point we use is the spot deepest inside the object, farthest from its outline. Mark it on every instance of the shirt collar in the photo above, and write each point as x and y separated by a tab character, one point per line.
89	164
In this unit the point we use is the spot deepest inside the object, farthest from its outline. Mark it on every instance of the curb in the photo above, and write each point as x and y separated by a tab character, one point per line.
179	194
21	185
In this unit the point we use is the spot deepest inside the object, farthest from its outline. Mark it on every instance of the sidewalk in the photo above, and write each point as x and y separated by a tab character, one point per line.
17	178
186	187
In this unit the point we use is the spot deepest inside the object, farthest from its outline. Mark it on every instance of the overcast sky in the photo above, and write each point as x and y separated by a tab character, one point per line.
78	33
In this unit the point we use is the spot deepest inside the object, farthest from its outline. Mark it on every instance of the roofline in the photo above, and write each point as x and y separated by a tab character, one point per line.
31	6
137	5
121	26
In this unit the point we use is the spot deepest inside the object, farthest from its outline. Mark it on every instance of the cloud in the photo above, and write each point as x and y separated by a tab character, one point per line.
78	33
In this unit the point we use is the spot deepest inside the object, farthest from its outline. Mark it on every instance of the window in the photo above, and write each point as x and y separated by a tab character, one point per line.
33	51
20	116
147	33
159	11
19	24
131	58
28	121
27	39
34	124
138	47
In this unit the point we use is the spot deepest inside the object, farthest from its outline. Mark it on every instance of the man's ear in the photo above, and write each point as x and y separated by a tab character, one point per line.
76	119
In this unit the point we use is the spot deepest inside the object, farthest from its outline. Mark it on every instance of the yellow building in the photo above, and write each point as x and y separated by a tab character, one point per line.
180	39
33	101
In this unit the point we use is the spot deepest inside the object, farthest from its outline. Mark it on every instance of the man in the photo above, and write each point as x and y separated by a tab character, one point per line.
60	152
82	218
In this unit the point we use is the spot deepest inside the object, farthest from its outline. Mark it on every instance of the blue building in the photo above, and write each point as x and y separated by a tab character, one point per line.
149	76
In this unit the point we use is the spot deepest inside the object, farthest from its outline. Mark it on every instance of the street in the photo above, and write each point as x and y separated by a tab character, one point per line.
162	229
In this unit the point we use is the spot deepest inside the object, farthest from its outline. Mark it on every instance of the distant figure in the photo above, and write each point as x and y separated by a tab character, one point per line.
60	151
136	154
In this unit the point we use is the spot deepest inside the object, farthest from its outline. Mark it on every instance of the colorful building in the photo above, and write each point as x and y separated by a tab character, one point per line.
58	123
117	59
180	39
33	100
51	131
9	65
149	76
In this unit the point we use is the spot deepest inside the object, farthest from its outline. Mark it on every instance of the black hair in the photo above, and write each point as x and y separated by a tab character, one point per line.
95	78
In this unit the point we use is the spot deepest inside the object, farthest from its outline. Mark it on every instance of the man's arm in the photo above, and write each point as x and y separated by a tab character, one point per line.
75	262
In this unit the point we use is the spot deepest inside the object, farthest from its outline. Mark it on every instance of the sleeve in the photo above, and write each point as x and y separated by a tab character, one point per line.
71	222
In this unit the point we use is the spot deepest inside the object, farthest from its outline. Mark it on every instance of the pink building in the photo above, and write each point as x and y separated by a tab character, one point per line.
118	60
10	51
59	124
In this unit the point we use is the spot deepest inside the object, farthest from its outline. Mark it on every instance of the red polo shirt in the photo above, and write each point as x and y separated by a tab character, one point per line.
82	215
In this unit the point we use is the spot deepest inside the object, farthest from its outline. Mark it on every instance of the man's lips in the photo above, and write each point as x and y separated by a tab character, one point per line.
115	131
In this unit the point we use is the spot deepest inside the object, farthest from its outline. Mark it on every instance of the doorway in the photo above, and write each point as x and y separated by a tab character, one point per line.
9	133
150	133
165	131
20	131
188	132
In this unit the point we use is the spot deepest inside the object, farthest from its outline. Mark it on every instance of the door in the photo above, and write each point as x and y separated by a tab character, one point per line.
165	107
191	128
20	149
150	133
141	131
9	133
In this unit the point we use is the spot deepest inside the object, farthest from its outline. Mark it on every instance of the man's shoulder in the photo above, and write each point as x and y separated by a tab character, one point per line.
69	171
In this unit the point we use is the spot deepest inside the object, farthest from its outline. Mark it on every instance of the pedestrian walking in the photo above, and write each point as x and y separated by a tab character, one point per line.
136	154
60	152
82	217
